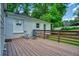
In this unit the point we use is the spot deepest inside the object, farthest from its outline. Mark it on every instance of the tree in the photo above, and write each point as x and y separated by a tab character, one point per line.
55	14
50	12
57	11
77	13
26	9
46	17
11	7
39	10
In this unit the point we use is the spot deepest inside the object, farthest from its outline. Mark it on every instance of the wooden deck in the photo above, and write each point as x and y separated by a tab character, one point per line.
40	47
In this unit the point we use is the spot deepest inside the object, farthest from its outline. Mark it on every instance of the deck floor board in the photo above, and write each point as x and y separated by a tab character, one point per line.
40	47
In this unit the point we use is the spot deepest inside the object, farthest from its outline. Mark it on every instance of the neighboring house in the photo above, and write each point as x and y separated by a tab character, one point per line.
66	23
76	22
17	25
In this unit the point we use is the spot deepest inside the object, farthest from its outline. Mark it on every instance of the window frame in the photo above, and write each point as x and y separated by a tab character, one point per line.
37	25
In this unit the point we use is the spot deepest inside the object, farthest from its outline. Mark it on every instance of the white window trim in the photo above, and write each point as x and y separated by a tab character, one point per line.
14	28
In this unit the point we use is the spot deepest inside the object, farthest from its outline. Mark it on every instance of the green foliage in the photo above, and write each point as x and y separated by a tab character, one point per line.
11	7
57	11
50	12
39	10
47	17
70	28
76	19
26	9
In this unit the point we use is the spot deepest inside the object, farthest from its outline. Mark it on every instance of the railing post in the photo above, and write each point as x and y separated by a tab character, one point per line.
44	31
59	35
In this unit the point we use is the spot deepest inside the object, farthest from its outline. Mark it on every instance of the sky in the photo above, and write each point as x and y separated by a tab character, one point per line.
70	11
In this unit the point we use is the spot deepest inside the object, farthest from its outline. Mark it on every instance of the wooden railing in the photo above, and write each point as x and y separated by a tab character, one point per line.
42	33
71	37
71	34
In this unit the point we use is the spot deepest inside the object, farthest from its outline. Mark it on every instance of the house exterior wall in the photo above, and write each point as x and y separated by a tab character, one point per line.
9	29
2	39
29	25
0	29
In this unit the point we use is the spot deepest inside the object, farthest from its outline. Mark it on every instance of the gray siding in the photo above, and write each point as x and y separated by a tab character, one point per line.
29	24
9	29
1	30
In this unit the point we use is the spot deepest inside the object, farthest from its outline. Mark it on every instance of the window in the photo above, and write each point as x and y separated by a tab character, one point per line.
37	25
18	22
17	26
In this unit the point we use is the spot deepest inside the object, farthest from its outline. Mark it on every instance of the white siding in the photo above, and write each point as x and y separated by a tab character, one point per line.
29	24
17	28
9	33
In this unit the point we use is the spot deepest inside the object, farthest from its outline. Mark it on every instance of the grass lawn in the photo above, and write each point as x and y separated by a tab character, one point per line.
65	40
